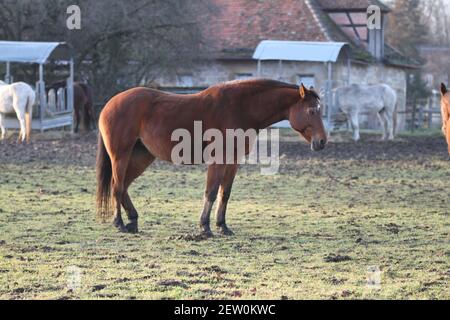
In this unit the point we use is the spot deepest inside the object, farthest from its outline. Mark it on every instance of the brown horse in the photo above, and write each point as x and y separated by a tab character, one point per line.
445	110
83	104
135	127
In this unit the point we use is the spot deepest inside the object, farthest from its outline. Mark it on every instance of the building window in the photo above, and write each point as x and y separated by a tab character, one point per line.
308	80
185	80
243	76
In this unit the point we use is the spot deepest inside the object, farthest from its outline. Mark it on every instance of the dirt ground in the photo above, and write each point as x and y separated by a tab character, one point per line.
321	228
63	148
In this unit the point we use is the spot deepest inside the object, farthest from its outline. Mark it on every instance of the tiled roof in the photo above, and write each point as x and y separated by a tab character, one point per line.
236	27
239	25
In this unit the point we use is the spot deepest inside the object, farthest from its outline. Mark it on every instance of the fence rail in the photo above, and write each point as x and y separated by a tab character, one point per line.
424	114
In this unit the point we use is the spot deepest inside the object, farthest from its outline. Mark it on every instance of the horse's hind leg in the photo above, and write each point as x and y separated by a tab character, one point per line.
76	111
389	118
384	124
139	161
119	168
91	112
23	129
224	196
132	214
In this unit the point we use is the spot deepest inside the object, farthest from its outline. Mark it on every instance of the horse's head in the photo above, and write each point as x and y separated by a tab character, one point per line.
306	117
445	99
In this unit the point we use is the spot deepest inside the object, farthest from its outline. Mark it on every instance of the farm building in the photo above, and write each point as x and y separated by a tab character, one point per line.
236	27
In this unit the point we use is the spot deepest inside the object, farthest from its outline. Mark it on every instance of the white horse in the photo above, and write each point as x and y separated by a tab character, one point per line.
18	97
357	98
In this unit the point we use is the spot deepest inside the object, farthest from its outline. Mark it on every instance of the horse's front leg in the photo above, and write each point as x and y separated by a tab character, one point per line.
447	134
2	127
213	180
224	196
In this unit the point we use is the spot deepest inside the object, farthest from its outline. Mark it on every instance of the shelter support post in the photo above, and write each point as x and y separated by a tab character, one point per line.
329	96
42	95
8	78
280	69
349	68
70	93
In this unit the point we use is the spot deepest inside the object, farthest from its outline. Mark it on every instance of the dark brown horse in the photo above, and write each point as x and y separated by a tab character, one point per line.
136	127
445	110
83	104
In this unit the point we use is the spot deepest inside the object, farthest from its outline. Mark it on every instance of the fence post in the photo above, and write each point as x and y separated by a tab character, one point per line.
413	120
420	118
430	114
42	96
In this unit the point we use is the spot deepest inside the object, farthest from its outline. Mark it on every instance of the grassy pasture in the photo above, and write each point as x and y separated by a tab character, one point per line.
315	230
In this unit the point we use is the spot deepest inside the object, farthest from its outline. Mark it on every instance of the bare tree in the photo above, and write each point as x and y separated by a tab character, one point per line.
437	12
121	43
407	27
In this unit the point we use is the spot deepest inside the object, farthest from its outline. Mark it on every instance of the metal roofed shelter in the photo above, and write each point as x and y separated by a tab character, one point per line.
301	51
41	53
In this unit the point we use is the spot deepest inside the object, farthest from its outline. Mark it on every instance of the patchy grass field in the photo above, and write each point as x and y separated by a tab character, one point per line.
316	230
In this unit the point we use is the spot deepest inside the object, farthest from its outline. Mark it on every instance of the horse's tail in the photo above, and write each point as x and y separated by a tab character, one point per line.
29	114
104	178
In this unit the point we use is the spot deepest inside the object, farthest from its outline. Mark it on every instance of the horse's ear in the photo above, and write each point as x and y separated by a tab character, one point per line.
443	89
303	91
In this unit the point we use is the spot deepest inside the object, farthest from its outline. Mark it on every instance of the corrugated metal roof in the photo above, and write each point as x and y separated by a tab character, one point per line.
299	51
27	52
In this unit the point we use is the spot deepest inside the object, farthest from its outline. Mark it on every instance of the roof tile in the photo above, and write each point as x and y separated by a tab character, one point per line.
242	24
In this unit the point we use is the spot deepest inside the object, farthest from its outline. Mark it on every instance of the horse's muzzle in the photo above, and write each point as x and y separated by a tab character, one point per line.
318	145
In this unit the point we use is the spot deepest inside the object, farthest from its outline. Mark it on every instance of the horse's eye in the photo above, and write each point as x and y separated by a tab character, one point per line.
312	112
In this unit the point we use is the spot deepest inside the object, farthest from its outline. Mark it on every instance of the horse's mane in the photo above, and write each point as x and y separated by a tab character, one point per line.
256	83
259	85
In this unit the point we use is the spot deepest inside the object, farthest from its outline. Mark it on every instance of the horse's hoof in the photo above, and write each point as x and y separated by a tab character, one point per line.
132	227
120	226
206	234
225	231
122	229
